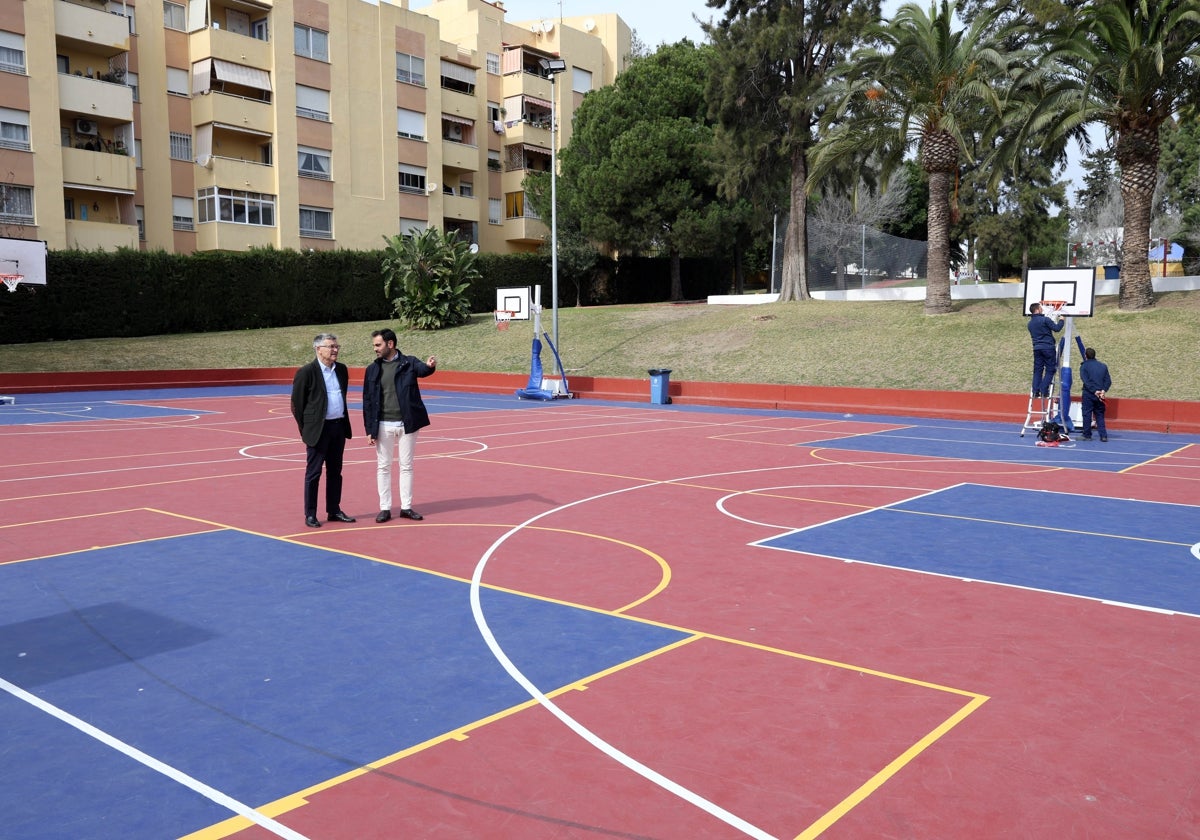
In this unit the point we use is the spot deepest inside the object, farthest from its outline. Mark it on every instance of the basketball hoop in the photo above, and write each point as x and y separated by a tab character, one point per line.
503	318
1056	305
11	280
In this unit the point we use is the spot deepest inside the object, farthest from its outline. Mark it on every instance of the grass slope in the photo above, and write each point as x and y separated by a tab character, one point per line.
982	346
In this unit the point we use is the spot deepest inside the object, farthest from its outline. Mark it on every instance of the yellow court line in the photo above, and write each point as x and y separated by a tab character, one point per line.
894	767
114	488
1157	458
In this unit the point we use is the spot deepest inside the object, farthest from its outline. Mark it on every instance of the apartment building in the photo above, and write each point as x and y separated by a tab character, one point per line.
233	124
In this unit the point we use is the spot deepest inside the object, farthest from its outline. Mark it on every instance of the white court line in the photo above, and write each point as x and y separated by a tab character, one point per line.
242	810
578	728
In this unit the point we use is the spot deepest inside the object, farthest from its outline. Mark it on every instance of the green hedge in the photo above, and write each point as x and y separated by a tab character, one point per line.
107	294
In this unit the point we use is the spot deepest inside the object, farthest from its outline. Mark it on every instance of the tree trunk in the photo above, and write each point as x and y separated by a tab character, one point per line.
937	280
1139	172
739	270
676	279
794	283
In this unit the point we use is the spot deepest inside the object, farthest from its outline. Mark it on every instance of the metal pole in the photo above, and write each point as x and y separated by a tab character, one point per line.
862	269
554	207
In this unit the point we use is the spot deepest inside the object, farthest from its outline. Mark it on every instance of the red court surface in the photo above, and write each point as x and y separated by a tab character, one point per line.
806	693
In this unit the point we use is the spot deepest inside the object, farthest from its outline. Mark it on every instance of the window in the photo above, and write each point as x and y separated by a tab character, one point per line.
581	80
131	79
139	213
14	129
63	63
312	43
456	77
237	206
495	209
410	124
312	103
493	112
494	160
411	227
16	205
182	217
181	146
177	81
117	7
12	52
410	69
316	222
137	153
260	30
515	207
466	189
412	179
174	16
493	64
314	163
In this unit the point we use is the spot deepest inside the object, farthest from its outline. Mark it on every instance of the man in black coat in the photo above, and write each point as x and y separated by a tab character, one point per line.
393	413
319	406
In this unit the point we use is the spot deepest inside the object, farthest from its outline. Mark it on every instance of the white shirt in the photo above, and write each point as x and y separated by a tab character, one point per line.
336	407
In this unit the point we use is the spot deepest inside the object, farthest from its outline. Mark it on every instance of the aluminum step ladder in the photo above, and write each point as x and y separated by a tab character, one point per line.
1039	410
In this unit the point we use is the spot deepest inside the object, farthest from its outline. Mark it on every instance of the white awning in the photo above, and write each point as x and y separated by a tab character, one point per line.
457	72
538	149
459	120
533	100
239	74
94	188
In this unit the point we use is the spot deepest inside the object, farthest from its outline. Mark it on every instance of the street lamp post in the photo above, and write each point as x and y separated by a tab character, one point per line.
552	67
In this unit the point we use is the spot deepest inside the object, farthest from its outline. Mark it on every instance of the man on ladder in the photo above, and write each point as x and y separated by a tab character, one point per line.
1045	363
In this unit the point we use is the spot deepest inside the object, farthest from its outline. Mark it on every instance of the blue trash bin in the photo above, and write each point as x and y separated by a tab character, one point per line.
660	385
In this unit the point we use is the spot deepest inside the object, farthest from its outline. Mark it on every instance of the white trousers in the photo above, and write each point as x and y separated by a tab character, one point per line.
391	434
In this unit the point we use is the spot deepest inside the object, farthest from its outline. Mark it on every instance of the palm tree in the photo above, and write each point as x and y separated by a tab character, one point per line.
926	86
1130	66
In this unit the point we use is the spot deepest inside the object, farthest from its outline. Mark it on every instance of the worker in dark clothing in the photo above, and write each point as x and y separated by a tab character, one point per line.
1045	357
1096	382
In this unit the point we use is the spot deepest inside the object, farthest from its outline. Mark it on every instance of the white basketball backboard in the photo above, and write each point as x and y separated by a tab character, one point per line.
26	257
1074	286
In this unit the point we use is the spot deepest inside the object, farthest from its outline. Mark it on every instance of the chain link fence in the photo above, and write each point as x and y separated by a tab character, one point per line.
847	256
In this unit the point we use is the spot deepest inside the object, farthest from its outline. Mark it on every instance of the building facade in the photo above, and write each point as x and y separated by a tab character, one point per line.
197	125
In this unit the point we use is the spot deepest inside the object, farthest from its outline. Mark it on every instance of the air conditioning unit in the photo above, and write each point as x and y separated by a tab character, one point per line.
85	127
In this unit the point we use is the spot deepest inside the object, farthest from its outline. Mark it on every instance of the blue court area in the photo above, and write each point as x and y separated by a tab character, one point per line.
71	411
1131	552
1003	443
258	666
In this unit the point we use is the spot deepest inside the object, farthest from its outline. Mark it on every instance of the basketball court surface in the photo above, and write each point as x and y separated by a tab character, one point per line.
616	620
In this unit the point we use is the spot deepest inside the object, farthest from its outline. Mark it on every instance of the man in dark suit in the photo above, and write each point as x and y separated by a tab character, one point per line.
319	406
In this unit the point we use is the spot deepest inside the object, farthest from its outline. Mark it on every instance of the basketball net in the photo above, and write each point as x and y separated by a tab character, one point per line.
11	280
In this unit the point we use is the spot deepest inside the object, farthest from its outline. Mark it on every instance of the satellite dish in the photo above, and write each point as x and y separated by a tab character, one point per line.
431	187
474	248
589	25
547	26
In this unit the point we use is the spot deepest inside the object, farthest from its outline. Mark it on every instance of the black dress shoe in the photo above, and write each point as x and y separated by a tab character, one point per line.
383	516
340	516
409	513
312	522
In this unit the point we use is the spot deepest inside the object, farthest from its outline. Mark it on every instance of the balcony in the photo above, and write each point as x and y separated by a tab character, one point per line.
91	28
101	236
526	229
229	236
533	134
230	46
99	170
460	156
238	174
527	84
93	99
233	111
460	207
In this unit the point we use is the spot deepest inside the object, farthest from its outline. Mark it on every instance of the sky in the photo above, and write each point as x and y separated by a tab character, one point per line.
666	21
